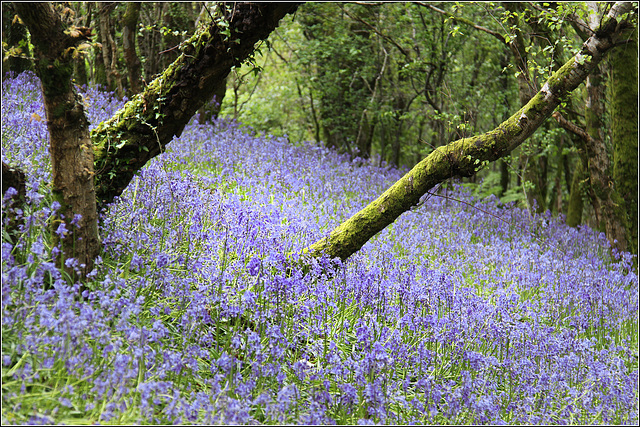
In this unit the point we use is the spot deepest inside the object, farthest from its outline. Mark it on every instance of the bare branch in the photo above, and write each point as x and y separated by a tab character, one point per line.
573	128
463	21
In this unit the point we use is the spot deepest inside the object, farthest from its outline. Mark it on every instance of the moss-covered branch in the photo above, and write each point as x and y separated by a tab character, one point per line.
147	123
464	156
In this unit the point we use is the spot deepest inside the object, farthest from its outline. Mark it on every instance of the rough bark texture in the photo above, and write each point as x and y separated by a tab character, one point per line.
600	171
147	123
624	132
462	157
70	146
129	31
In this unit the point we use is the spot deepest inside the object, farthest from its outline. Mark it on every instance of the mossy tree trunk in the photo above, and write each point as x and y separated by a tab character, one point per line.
465	156
611	218
623	61
70	145
129	31
146	124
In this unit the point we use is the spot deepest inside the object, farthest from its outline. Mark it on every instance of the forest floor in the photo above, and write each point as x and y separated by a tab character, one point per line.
462	311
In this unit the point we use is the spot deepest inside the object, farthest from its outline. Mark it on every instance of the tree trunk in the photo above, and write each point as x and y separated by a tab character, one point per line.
80	71
147	123
129	31
364	139
600	170
70	146
109	49
99	73
624	132
150	41
83	18
463	157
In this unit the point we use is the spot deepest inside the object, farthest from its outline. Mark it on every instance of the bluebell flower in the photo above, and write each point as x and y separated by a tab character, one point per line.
62	230
254	266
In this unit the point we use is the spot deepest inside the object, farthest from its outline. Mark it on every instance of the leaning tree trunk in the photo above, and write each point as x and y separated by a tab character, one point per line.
624	132
70	146
146	124
464	157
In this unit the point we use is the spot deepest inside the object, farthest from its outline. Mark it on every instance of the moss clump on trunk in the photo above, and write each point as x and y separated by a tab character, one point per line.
624	132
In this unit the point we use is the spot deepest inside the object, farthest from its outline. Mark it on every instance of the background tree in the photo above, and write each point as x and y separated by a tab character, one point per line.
16	51
129	32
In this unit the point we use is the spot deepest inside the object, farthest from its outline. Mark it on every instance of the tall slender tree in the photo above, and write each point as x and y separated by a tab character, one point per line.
129	31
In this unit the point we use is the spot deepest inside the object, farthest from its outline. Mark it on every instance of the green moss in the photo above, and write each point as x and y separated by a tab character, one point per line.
624	132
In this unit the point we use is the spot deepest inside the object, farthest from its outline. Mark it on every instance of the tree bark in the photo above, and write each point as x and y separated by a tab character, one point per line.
99	71
599	166
624	133
463	157
70	146
129	31
146	124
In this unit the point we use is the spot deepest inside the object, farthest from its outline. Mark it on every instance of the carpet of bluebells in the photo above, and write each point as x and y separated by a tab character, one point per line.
462	311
